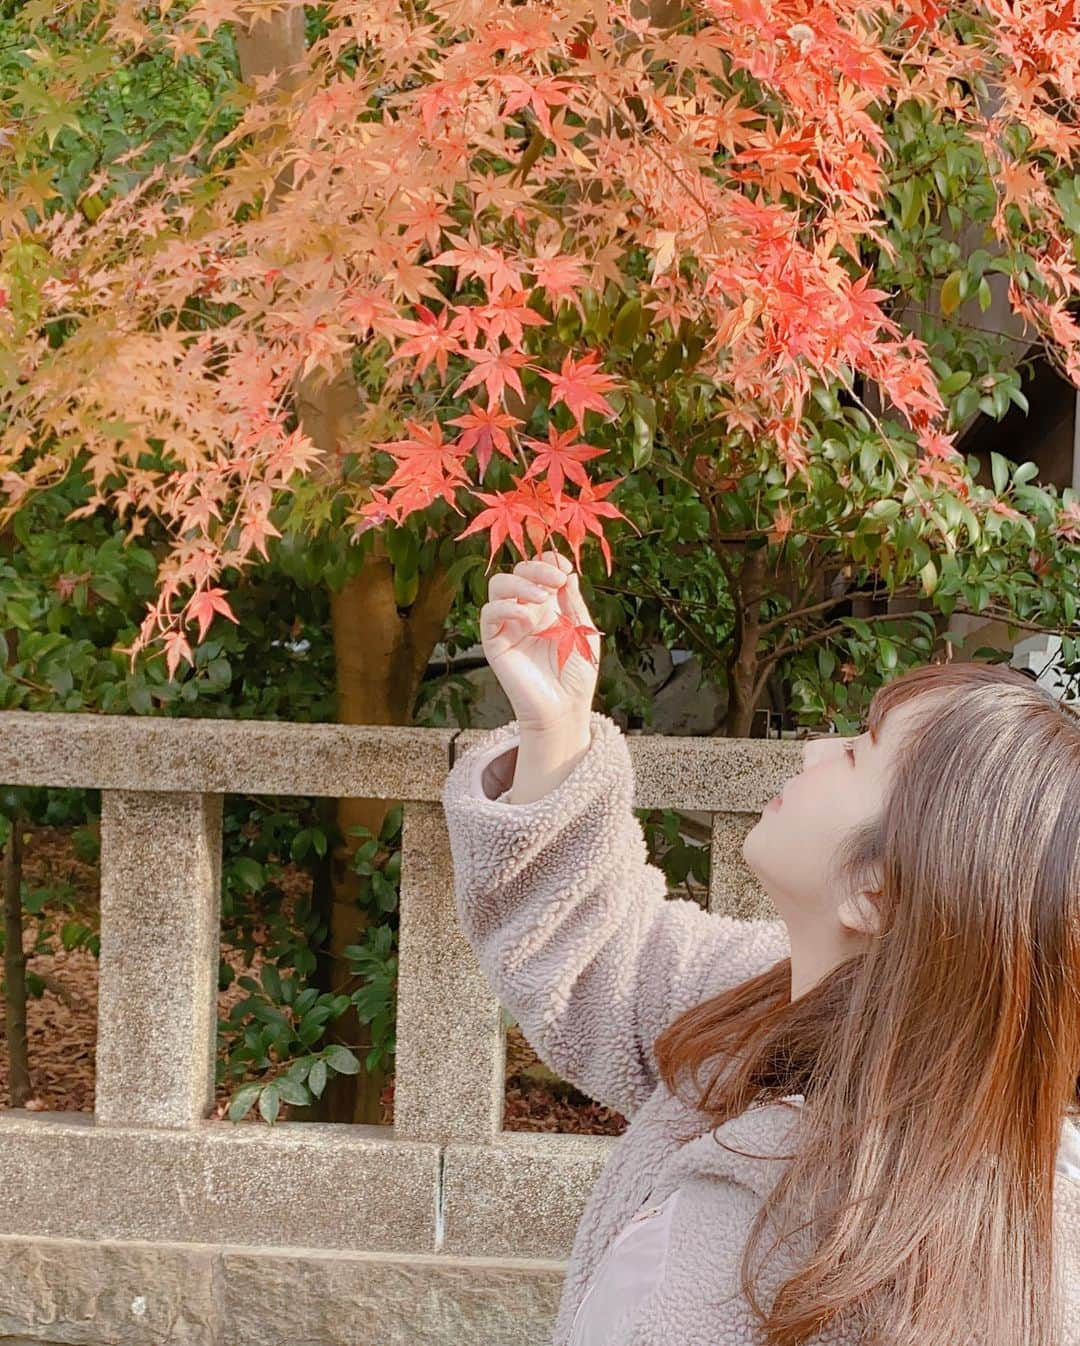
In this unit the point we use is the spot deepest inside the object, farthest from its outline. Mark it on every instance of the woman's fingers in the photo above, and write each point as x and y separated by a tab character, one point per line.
509	609
543	572
507	585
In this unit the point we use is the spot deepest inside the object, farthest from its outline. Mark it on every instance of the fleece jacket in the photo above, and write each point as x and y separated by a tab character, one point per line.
575	932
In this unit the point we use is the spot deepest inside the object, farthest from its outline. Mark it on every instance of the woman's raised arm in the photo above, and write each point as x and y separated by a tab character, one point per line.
571	922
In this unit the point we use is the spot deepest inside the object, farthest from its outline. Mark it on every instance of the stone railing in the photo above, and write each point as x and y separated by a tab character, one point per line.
149	1222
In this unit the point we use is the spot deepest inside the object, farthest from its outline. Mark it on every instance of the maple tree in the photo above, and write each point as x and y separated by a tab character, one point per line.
424	278
443	189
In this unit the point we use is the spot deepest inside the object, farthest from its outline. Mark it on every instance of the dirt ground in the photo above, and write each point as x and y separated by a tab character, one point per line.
62	1023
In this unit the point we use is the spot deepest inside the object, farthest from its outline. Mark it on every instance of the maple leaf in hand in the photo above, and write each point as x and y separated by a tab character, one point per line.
580	385
560	456
571	637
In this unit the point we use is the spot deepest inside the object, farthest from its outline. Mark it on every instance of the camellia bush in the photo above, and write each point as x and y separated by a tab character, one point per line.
433	202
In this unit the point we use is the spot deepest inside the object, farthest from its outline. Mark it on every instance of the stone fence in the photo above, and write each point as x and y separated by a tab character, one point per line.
149	1222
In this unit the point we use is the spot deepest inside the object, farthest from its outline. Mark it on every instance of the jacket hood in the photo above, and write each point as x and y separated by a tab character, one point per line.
769	1134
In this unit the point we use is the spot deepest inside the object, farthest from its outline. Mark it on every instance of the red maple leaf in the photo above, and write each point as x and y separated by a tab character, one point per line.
425	454
485	430
560	456
571	637
1065	22
432	340
580	515
506	513
494	369
580	385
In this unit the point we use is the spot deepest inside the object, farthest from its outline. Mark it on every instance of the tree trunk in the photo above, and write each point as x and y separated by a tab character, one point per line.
743	668
19	1089
381	654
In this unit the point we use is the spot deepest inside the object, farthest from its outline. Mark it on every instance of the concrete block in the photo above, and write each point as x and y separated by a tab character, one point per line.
727	775
306	1184
451	1045
273	1299
160	929
734	888
135	752
522	1196
66	1292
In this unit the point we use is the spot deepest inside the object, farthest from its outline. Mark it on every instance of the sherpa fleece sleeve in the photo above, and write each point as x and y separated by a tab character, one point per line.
571	923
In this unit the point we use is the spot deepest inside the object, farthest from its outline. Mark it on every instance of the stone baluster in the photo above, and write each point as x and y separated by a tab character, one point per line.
160	920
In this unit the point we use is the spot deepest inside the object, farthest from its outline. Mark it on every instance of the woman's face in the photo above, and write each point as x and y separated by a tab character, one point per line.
792	845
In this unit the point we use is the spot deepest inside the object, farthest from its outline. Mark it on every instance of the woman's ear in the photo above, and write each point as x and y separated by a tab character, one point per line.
860	914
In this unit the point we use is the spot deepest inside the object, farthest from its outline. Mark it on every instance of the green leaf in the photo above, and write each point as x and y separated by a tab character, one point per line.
270	1103
271	980
642	443
18	614
317	1078
1025	472
958	379
913	200
341	1059
952	292
243	1100
985	294
292	1091
1000	469
249	872
627	323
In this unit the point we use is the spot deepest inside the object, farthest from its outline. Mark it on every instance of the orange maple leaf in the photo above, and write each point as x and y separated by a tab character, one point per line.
203	605
432	340
560	276
580	385
545	94
506	513
176	647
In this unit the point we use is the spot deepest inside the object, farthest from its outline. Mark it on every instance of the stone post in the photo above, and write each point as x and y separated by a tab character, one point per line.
160	925
451	1049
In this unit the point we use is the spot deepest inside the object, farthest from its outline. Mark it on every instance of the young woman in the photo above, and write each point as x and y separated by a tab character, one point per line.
854	1124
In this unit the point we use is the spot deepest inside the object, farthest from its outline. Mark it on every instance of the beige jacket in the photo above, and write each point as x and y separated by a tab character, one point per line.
574	930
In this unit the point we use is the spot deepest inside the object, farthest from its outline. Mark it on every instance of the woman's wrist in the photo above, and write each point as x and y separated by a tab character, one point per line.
547	754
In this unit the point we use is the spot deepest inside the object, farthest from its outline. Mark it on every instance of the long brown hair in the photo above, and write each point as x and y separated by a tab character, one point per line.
938	1064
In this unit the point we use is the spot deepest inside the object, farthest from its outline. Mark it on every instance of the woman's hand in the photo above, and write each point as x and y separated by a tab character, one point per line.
521	603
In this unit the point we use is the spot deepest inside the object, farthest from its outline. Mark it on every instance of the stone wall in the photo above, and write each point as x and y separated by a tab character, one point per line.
151	1223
